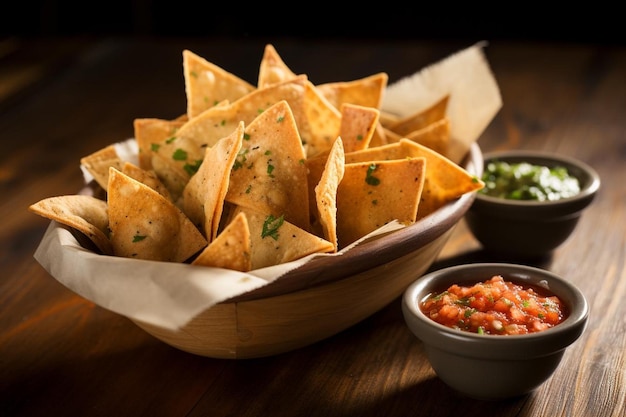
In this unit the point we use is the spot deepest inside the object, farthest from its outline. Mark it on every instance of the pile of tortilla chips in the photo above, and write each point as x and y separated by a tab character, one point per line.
255	176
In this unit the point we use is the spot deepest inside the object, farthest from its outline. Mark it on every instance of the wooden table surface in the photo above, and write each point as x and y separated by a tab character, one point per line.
61	99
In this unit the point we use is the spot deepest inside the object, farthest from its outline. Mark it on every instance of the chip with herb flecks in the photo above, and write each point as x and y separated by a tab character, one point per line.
150	133
445	180
146	225
203	196
373	193
269	173
274	240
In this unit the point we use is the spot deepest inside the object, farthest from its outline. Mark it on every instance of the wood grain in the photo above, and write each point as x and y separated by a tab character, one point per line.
62	355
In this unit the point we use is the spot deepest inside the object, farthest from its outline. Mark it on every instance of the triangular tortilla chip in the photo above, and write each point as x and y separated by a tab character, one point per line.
146	225
148	177
273	69
203	196
445	180
373	193
270	174
435	136
84	213
379	137
230	249
274	241
207	84
151	132
98	163
367	91
358	124
322	121
326	192
421	119
171	175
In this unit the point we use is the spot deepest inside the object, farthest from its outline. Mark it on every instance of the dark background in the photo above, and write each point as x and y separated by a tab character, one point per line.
571	22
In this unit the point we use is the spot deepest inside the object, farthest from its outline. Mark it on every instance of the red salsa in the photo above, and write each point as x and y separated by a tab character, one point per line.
496	307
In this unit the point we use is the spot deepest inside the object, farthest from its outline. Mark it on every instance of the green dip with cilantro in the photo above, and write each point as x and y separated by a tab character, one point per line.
525	181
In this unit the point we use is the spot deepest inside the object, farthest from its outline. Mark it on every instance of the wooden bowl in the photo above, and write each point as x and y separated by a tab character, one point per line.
324	296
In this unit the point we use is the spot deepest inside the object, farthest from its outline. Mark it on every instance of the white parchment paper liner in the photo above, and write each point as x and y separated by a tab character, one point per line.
169	295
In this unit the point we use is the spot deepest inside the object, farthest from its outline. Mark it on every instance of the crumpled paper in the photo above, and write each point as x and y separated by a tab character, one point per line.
474	95
169	295
164	294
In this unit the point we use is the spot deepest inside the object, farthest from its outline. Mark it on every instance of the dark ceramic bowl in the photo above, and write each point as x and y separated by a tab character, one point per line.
527	228
493	367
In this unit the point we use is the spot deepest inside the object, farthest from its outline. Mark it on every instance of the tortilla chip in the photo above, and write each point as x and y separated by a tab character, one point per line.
269	174
98	163
322	121
445	180
273	69
83	213
435	136
152	131
379	137
373	193
367	91
203	196
358	124
146	225
148	177
173	177
230	249
326	192
387	119
392	137
421	119
274	240
207	84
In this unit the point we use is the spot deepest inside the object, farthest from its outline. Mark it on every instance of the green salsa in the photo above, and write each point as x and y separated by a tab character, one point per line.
525	181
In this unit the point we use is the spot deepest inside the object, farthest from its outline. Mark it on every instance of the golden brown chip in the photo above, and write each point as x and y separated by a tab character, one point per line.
367	91
358	124
379	137
273	240
83	213
230	249
435	136
203	196
387	119
421	119
321	124
146	225
270	173
445	180
171	175
207	84
98	163
148	177
273	69
326	192
151	132
372	194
